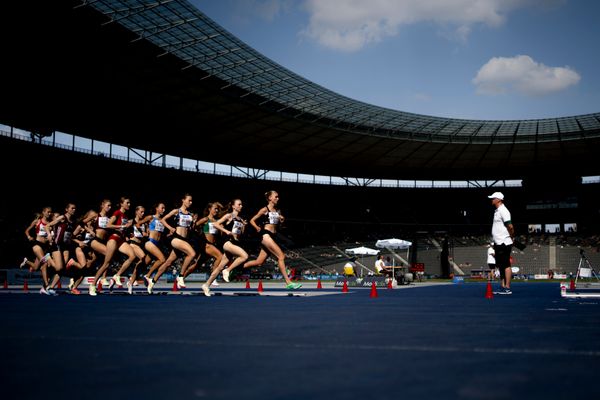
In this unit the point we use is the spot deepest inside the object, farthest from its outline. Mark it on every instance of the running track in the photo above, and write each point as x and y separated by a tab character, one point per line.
435	342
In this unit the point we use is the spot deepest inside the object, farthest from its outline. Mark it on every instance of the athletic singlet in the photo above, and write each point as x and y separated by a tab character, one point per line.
156	225
138	232
64	231
102	222
183	220
209	227
235	226
271	218
40	229
88	238
120	220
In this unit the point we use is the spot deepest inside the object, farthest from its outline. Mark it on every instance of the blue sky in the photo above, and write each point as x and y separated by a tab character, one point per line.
476	59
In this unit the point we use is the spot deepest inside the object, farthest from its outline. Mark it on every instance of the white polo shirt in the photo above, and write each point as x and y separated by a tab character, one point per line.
499	232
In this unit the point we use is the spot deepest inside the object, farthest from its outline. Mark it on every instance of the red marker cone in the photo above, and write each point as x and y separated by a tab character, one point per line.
389	284
319	286
59	285
373	290
345	287
5	284
260	288
247	283
99	288
489	294
572	285
25	286
174	288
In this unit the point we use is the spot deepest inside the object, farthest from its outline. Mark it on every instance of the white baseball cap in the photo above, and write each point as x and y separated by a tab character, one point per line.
496	195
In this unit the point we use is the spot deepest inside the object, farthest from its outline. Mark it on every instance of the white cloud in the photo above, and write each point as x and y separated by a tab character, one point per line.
269	9
266	10
349	25
523	75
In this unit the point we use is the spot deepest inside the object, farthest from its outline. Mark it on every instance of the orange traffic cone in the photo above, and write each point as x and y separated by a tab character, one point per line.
572	285
59	285
319	286
373	290
260	288
25	286
99	288
489	294
389	284
174	288
247	283
345	287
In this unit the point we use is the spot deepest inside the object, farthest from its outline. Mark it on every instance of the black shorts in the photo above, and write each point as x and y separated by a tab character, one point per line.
502	255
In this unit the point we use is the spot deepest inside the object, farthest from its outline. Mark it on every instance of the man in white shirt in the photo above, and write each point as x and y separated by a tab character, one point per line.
502	234
381	268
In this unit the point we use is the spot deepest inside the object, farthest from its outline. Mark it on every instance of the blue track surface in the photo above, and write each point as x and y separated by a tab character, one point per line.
439	342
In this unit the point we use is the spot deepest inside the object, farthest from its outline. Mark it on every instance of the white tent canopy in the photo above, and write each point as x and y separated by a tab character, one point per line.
397	244
362	251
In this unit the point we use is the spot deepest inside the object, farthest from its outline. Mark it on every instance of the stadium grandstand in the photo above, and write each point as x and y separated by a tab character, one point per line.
149	90
151	99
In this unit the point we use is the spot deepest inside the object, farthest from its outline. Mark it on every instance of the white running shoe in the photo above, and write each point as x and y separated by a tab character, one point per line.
206	290
215	283
180	282
51	292
129	287
150	286
45	258
44	291
24	263
71	283
117	280
93	290
226	275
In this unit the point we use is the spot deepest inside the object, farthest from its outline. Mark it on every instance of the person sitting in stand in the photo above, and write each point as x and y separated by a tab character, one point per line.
381	268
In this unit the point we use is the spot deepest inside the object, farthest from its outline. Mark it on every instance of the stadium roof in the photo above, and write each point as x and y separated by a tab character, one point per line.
161	75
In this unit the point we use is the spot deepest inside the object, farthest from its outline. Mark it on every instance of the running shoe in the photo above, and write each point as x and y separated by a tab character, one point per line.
51	292
507	291
44	291
226	275
215	283
180	282
93	290
293	286
24	263
206	290
117	280
146	280
129	287
75	291
45	258
150	285
71	283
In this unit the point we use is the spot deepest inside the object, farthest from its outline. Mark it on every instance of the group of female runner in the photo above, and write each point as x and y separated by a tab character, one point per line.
74	247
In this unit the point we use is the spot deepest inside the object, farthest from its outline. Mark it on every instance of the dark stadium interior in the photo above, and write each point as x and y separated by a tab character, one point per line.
317	214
